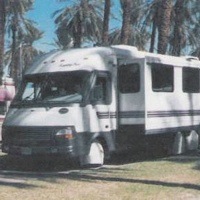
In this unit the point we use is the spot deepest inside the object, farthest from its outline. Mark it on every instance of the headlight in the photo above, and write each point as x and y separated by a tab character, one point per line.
66	133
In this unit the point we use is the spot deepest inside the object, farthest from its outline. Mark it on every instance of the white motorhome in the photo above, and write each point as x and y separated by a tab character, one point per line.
87	103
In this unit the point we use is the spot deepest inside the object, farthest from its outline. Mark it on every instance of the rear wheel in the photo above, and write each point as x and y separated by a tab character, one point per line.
183	142
192	141
96	155
179	144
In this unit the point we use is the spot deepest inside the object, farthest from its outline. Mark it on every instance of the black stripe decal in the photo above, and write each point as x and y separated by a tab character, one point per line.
132	114
126	114
173	113
150	114
106	115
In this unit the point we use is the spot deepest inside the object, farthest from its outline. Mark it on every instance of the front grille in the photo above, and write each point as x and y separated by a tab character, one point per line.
30	136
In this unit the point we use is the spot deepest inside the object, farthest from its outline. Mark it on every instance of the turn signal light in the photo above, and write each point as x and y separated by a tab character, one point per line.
65	133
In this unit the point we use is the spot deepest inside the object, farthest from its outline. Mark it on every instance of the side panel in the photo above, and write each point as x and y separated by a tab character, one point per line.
171	111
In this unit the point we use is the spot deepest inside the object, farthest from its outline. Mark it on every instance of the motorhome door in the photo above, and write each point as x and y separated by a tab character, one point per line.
131	105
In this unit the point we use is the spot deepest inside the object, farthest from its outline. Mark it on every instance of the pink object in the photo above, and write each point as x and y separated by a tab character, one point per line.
5	95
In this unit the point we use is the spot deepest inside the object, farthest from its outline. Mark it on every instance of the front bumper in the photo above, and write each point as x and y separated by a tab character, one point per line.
28	151
36	141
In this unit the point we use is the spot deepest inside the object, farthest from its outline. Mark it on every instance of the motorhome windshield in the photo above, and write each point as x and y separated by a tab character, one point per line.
68	87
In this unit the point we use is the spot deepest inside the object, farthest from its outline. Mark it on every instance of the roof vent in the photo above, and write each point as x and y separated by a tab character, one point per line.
190	58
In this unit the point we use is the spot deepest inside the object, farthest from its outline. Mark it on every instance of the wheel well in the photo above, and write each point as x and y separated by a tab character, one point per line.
105	146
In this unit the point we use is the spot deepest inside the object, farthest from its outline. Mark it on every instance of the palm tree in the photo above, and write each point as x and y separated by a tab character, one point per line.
79	22
157	19
105	32
138	36
24	50
178	39
127	6
151	19
21	31
17	27
184	25
164	15
195	41
196	29
2	33
186	30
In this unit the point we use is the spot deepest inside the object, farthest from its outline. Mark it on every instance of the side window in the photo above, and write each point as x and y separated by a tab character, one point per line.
190	80
28	91
101	93
129	78
162	77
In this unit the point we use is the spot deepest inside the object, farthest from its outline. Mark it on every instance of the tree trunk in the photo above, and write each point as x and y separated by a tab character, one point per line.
106	22
78	33
78	30
2	33
153	37
164	25
15	65
126	21
154	27
178	37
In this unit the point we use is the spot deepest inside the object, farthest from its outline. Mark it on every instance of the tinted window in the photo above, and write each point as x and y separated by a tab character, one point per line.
101	93
190	80
162	77
129	78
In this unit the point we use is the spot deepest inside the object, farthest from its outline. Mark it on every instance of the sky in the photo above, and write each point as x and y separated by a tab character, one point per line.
42	14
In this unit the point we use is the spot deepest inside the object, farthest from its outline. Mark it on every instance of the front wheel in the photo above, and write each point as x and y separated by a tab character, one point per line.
95	157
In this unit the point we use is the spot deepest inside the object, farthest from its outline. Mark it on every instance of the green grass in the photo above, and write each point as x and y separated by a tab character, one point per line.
156	178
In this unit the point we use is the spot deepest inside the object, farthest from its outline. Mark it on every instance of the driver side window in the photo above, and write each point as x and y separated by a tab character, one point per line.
101	93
